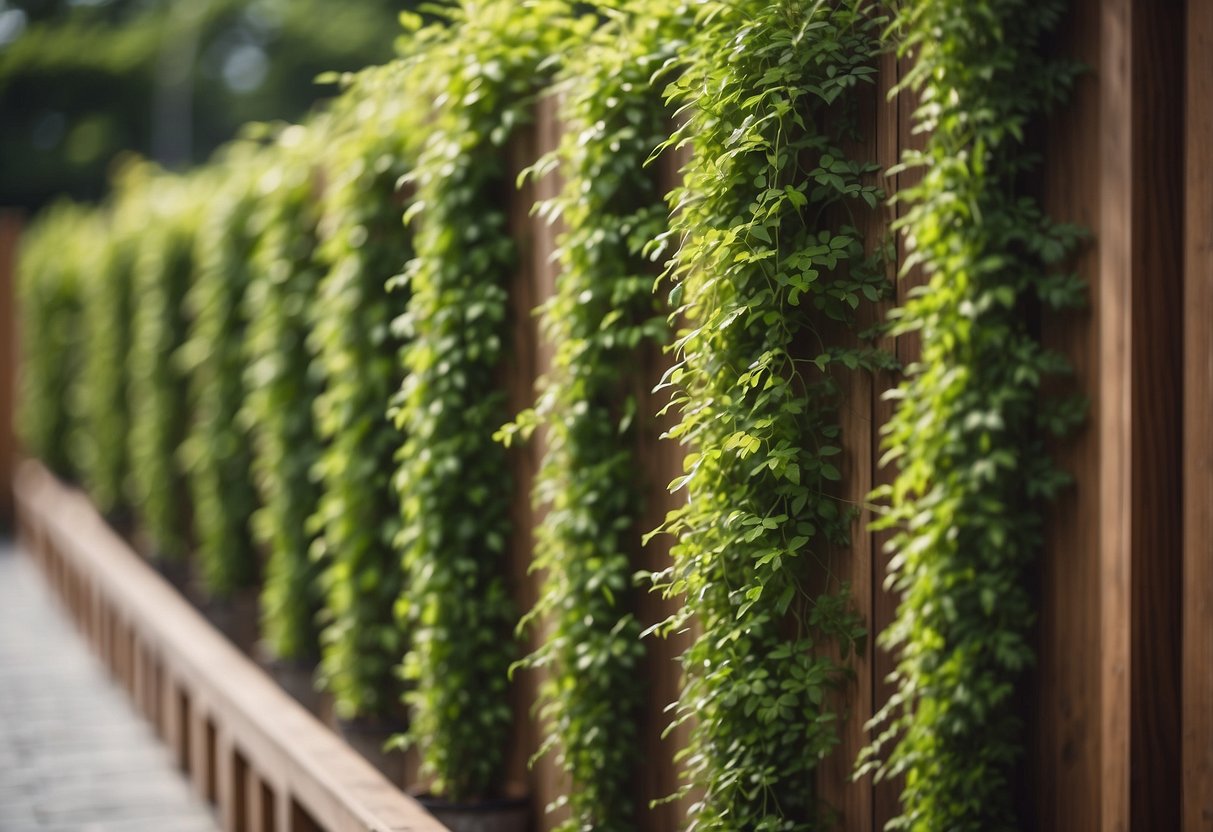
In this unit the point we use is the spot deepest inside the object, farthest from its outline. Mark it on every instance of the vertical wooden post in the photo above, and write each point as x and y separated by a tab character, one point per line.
10	231
1198	443
1140	311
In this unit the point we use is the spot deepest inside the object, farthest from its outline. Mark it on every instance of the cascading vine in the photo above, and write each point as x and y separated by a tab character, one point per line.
283	385
484	68
52	273
159	392
968	432
768	257
601	315
102	395
364	245
218	453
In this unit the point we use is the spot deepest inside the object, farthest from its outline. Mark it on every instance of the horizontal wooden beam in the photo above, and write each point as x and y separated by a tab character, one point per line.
279	743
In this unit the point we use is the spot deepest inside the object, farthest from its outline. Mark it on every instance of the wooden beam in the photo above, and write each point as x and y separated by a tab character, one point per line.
214	688
10	232
1198	441
1139	312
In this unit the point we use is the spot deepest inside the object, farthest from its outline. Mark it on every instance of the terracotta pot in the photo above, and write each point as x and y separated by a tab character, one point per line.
509	814
368	737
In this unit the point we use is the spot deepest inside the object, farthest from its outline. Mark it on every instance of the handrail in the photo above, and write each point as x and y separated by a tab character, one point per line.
267	763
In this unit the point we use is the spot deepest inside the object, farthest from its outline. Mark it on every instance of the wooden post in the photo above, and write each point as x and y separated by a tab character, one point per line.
10	231
1198	444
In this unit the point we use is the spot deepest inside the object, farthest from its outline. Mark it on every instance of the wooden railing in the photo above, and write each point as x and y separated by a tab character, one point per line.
265	762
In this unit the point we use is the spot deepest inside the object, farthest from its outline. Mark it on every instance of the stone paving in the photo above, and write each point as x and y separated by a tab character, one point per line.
74	754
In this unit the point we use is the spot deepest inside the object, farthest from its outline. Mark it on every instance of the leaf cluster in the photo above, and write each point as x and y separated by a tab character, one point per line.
53	270
218	451
769	262
159	397
481	66
282	384
599	320
970	422
364	245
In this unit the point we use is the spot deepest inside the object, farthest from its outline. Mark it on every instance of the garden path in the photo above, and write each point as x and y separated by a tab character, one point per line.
75	756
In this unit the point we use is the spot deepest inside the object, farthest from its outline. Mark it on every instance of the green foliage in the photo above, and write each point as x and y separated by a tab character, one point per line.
483	70
968	431
218	453
159	391
365	244
769	261
601	315
282	386
51	290
103	391
86	82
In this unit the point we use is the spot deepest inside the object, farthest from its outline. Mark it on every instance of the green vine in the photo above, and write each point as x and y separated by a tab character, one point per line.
769	256
365	244
159	393
483	68
218	452
103	395
968	432
282	384
602	311
51	290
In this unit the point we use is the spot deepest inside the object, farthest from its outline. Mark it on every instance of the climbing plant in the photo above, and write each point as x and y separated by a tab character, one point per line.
51	286
103	392
970	423
599	320
482	66
218	452
163	269
365	245
282	385
769	261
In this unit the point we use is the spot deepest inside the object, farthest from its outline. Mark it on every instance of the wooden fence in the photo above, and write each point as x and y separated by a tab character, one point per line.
1119	708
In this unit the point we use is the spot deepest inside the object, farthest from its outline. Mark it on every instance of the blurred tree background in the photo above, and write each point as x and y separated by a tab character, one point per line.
83	81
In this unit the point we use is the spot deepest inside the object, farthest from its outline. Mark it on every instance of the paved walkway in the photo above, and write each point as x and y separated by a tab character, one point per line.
74	754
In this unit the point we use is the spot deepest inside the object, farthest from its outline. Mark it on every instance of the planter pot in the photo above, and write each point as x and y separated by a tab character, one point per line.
236	616
511	814
368	737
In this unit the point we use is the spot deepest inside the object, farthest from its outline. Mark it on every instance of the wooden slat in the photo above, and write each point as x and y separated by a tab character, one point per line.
284	743
1197	437
1140	356
10	232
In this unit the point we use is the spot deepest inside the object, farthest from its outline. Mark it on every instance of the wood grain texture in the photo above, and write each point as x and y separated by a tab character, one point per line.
1157	401
1197	693
1064	758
